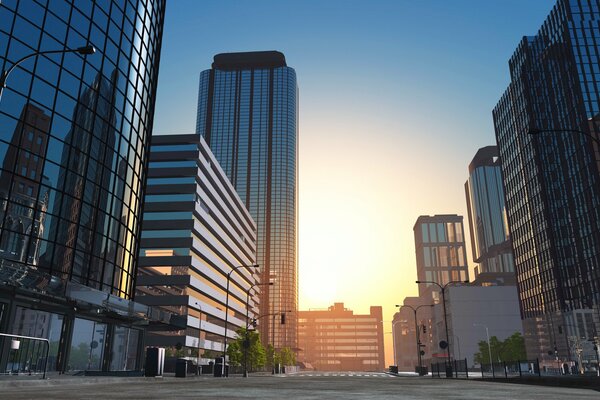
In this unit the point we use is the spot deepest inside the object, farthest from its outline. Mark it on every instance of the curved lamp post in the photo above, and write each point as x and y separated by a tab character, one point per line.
227	309
394	323
535	131
84	50
443	289
199	336
487	335
417	334
247	324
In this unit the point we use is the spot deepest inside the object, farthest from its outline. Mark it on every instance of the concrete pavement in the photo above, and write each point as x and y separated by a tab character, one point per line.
308	385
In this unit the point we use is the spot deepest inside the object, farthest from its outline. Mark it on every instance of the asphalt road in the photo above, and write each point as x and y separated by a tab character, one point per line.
312	385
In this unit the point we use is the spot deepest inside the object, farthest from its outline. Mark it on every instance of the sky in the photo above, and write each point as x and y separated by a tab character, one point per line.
395	99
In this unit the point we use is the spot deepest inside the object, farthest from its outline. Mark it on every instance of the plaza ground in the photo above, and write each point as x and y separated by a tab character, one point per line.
310	385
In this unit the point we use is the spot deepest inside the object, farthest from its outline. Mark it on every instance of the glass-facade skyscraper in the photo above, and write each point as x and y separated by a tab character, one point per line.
490	238
551	180
247	113
74	138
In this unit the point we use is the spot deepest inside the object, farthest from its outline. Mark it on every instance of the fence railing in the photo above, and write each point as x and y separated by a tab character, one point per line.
505	369
26	354
452	369
511	369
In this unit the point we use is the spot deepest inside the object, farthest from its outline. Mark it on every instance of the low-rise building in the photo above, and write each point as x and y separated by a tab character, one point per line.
470	310
336	339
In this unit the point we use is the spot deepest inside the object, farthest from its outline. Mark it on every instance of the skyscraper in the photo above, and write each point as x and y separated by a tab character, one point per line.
551	180
490	239
247	113
74	137
440	250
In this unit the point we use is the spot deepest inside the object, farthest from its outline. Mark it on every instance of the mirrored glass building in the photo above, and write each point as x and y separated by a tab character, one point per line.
552	182
490	238
74	137
248	114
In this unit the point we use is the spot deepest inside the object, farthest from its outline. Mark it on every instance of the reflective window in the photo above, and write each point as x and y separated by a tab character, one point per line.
87	345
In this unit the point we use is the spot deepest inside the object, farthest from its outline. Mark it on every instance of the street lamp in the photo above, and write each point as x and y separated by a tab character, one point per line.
487	335
535	131
199	336
443	289
84	50
417	333
247	325
227	309
268	315
394	341
393	338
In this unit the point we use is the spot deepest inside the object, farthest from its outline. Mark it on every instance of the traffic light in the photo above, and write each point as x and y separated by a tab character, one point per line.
424	328
282	318
254	322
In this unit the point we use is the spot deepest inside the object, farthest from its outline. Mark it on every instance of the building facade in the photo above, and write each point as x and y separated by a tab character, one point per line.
490	238
196	230
73	155
470	310
248	115
551	180
336	339
440	249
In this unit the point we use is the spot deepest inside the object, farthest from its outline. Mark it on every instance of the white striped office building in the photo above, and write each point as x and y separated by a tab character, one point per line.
195	231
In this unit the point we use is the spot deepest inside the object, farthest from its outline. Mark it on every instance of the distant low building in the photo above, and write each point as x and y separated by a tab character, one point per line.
336	339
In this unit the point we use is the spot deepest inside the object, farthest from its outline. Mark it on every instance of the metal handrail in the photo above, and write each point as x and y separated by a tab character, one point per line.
34	338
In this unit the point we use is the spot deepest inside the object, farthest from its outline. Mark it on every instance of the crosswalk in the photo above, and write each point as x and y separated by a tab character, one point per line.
343	374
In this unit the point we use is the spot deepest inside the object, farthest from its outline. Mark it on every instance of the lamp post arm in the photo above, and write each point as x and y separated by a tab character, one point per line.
4	76
538	131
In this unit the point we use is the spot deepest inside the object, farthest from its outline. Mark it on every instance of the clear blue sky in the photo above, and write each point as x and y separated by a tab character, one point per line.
395	99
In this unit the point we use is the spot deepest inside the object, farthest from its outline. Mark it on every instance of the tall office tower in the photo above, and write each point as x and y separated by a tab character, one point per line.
195	231
440	250
551	179
336	339
74	137
247	112
490	239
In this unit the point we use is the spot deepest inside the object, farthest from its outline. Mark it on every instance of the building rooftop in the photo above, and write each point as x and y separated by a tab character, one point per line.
248	60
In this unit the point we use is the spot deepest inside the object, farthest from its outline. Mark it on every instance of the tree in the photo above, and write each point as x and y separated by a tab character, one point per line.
255	350
287	356
511	349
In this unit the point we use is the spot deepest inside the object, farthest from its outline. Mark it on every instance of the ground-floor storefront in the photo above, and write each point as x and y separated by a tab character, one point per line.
81	336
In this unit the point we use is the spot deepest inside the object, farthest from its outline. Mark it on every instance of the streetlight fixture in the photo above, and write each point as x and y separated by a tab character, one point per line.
84	50
247	325
535	131
199	335
443	289
417	333
487	335
394	340
227	309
